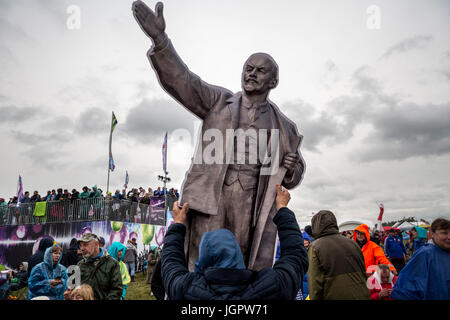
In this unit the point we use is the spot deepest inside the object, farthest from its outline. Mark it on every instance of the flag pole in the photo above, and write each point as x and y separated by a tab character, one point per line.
109	155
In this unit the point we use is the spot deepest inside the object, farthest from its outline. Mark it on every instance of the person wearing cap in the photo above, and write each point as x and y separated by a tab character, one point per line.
99	269
395	249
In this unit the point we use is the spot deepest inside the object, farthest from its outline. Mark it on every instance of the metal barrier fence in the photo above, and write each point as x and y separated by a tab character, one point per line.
90	209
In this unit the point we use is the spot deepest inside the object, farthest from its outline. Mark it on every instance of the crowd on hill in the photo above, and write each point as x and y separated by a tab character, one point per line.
135	194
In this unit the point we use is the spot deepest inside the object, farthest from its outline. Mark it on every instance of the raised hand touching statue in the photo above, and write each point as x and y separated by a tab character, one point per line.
231	187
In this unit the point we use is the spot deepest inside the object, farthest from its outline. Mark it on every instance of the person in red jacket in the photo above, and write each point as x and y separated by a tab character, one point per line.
373	253
381	283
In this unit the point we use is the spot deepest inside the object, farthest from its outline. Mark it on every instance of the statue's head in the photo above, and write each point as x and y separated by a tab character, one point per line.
260	74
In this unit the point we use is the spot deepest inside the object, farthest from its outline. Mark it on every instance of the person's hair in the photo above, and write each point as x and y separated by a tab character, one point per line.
383	267
84	290
57	249
440	224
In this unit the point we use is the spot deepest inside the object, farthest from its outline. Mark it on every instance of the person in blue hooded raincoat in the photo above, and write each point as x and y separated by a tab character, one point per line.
220	272
117	251
427	274
418	239
48	278
306	241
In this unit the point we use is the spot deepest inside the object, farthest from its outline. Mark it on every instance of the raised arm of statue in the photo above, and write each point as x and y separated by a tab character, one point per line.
174	76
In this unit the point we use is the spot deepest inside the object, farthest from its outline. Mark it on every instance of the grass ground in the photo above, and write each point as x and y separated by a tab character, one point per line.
138	290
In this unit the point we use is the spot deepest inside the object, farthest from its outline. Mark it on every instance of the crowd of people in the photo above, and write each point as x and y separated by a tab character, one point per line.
319	263
63	206
104	274
135	194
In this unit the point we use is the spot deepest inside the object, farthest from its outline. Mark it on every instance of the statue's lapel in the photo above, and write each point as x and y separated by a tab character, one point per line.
234	105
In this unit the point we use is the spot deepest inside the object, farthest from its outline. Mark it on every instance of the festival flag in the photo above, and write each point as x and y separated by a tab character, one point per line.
380	217
113	125
113	122
126	180
164	154
112	166
20	192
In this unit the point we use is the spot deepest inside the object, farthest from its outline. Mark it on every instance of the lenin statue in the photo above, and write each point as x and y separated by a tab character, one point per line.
246	147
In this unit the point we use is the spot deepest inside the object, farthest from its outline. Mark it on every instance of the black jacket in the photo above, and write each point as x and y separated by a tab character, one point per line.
70	256
38	257
278	283
157	283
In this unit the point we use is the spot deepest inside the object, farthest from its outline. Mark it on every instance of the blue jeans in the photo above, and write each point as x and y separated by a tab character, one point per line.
130	267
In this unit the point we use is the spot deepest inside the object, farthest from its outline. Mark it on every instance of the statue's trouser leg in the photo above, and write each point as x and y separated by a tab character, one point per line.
239	206
235	213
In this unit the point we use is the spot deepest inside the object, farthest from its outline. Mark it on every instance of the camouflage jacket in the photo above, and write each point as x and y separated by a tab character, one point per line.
103	275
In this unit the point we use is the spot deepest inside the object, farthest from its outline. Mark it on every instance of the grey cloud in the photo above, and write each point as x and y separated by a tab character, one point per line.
42	150
93	120
416	42
400	129
13	114
315	127
151	118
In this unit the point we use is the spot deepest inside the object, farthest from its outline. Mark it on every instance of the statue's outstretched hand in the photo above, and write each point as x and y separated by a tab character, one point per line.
152	24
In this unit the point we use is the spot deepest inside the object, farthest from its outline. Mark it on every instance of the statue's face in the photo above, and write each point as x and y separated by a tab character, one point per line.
259	74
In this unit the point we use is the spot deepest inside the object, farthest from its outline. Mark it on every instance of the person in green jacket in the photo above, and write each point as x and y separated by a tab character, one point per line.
117	251
99	269
85	194
336	264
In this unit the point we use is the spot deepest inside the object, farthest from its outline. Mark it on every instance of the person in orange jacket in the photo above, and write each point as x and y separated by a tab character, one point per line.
373	253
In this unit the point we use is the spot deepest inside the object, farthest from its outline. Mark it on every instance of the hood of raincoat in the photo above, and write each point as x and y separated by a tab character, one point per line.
323	224
114	249
48	257
362	228
306	236
45	243
421	233
219	249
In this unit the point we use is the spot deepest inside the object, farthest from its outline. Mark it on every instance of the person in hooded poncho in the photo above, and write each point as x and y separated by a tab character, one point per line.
427	275
117	251
336	264
220	272
38	257
418	239
48	278
373	253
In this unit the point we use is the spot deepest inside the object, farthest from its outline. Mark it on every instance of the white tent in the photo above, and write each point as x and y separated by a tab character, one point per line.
350	225
404	226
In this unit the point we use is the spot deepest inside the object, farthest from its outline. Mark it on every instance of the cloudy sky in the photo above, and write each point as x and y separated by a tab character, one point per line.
366	82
